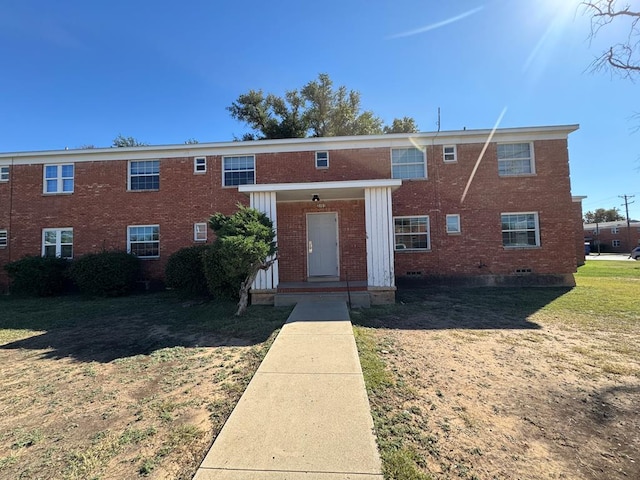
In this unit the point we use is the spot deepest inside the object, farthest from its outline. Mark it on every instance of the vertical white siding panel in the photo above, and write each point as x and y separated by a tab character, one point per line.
379	225
265	202
390	236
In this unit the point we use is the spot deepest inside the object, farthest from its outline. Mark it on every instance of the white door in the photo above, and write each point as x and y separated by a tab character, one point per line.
322	244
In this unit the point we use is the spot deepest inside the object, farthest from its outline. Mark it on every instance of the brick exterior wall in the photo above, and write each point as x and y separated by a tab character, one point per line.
629	238
292	239
101	208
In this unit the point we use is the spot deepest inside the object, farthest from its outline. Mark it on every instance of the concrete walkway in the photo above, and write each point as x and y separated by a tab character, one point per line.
305	414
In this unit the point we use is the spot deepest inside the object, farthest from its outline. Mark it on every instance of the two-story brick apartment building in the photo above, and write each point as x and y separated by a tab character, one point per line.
612	236
487	206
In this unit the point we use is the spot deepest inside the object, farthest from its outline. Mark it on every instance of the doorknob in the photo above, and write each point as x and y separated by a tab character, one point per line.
310	246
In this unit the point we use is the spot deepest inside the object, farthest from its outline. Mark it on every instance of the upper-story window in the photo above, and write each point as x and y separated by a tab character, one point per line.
322	159
615	230
449	153
515	159
408	163
200	165
57	242
238	170
4	174
144	175
4	238
58	178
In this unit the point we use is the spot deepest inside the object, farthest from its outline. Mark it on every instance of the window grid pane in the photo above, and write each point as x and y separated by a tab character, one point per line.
3	238
145	175
407	163
239	171
520	230
412	233
4	174
144	241
58	178
514	159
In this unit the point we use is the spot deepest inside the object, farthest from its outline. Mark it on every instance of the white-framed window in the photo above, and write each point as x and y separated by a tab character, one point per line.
453	223
515	159
4	238
200	165
520	229
200	232
408	163
322	159
58	178
615	230
57	242
144	240
238	170
412	233
615	243
144	175
4	174
450	153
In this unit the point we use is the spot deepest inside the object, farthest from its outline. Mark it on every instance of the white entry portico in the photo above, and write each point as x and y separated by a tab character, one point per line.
378	222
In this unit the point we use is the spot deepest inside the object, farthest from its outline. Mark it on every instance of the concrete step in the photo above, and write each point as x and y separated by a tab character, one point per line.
358	299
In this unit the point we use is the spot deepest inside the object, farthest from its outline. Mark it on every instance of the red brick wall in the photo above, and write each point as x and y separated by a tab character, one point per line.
298	167
292	239
478	250
101	208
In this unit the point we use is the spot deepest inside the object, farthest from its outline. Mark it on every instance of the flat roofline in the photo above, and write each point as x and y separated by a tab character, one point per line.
296	144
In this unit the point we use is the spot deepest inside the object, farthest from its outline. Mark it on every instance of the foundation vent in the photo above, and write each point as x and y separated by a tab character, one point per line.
522	271
414	274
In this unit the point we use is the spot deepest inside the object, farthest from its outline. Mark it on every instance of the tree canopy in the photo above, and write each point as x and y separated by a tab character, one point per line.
317	110
245	244
600	215
122	141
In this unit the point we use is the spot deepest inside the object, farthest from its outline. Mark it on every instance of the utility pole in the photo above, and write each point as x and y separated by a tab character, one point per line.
626	207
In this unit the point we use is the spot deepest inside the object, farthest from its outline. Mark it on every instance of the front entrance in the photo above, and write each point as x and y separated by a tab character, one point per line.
322	244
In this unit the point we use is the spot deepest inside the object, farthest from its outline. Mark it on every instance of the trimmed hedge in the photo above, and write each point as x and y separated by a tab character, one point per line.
37	276
185	270
106	274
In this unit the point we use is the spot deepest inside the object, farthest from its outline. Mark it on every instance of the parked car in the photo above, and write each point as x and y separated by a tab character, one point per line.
635	253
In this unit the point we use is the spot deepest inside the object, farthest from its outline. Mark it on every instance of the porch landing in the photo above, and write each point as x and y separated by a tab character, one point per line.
353	293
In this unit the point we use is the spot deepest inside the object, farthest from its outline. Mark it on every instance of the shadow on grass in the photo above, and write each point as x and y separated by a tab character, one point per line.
436	308
102	330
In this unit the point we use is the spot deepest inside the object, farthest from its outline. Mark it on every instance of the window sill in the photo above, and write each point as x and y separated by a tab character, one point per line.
413	250
519	175
49	194
145	190
454	234
522	247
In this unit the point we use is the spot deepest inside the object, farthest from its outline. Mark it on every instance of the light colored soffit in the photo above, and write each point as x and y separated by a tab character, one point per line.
296	192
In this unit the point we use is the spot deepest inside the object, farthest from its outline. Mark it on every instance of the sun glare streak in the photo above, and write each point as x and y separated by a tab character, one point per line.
561	15
433	26
484	149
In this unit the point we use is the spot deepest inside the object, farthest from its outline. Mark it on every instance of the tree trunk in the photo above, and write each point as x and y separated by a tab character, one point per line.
246	286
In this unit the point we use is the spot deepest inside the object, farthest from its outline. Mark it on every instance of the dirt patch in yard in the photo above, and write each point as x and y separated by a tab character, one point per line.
550	401
117	399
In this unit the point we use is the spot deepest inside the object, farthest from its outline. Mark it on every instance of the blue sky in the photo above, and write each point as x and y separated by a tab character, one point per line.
78	72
